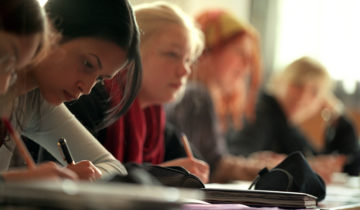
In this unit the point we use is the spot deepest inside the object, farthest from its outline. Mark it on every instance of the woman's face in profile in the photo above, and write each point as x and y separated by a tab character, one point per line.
231	65
306	99
74	67
16	51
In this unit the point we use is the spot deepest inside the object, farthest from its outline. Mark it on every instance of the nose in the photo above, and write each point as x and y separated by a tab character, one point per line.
183	70
85	87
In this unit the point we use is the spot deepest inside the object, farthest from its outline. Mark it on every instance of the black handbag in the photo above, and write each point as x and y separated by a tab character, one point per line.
293	174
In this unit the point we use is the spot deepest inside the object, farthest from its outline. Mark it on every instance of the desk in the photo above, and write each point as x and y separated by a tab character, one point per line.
68	195
343	193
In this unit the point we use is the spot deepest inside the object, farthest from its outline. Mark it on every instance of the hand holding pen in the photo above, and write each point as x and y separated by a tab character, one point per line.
64	150
186	145
19	144
84	169
195	166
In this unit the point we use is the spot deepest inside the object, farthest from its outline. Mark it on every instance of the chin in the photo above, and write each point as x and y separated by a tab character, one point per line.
55	101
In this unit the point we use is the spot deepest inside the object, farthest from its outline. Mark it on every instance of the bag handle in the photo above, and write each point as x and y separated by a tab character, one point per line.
264	171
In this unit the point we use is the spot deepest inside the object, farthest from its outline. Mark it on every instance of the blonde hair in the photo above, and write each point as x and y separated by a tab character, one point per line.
301	71
151	18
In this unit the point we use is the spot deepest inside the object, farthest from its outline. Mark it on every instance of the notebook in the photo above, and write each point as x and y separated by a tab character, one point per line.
260	198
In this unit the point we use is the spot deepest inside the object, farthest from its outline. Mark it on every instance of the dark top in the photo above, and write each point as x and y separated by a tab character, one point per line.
194	115
272	131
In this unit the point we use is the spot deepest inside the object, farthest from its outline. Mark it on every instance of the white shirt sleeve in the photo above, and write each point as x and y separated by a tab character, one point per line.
55	122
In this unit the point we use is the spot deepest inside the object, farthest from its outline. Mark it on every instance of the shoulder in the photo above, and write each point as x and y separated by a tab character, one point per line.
197	94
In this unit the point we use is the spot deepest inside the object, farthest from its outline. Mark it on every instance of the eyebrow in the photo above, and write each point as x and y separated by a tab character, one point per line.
97	59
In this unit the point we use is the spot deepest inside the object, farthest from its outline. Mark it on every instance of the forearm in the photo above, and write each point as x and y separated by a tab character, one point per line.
232	168
59	122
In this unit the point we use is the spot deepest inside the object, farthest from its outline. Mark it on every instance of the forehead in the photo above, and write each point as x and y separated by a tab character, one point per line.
110	54
172	34
244	42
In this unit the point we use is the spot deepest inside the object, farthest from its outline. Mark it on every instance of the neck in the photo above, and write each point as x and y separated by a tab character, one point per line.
143	103
142	100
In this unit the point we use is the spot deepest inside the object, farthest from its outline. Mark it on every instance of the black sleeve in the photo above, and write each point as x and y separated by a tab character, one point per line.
173	146
341	137
194	115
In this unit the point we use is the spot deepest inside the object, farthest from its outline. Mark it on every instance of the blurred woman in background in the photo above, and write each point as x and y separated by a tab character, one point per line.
223	88
292	97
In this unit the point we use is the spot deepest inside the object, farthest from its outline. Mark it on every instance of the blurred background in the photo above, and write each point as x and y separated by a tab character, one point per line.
326	30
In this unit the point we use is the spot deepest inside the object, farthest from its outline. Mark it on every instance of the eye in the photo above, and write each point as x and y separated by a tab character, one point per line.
88	64
172	54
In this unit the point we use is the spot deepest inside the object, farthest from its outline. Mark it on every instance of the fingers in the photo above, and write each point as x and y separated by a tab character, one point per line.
197	167
200	169
86	170
53	169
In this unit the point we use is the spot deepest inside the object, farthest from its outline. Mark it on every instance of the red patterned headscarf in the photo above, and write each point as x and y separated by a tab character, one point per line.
220	28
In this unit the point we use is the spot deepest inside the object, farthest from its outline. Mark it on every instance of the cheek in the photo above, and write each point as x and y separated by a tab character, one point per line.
55	76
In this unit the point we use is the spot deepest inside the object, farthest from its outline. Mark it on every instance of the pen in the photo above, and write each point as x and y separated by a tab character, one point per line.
20	144
187	147
64	150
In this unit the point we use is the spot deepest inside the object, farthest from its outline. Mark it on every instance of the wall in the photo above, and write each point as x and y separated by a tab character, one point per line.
240	8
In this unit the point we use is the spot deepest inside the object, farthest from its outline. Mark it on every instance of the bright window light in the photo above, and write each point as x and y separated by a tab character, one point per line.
324	29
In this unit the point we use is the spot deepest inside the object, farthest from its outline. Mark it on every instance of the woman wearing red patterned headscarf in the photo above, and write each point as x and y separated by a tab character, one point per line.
223	89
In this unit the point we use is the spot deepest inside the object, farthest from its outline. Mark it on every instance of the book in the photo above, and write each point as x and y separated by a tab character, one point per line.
260	198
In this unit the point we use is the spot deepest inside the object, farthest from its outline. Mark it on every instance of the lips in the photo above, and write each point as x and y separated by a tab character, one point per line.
176	85
69	96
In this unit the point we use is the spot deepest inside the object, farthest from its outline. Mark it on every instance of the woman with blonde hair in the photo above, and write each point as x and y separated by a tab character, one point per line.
293	96
223	87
